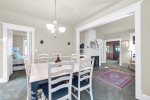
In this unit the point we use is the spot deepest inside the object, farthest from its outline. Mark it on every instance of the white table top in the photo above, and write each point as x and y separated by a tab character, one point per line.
39	71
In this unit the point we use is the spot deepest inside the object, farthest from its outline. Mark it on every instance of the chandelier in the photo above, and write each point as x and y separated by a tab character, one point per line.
53	28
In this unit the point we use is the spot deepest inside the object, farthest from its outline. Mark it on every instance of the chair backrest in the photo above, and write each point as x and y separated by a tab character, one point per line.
74	57
43	58
28	70
83	57
65	79
85	70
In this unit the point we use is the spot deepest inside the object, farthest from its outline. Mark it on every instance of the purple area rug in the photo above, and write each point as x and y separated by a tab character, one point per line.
114	77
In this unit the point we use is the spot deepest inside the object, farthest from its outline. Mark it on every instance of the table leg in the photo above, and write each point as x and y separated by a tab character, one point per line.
34	88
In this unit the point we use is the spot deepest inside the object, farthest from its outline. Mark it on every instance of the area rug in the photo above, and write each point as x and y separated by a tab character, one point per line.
114	77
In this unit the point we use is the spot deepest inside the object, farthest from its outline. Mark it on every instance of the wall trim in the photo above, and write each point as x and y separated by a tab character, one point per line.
145	97
138	64
1	80
119	14
138	94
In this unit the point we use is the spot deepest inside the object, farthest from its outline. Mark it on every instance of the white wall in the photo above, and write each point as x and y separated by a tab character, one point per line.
18	41
145	39
99	35
1	51
51	44
82	37
125	53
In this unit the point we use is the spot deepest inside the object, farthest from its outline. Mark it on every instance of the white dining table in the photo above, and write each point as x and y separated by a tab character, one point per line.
39	71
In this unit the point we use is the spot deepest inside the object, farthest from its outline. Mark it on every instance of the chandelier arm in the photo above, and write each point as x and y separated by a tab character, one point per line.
54	28
55	10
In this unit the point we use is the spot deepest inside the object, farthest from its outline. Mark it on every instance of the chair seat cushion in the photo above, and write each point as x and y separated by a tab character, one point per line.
43	85
56	95
82	83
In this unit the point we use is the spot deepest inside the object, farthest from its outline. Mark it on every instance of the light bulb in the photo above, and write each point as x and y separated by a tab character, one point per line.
50	26
53	31
62	29
55	21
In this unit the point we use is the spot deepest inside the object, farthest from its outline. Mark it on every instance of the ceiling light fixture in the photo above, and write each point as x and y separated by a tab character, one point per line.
53	28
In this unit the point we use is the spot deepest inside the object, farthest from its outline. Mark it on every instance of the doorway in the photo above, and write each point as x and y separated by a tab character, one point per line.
7	46
134	9
113	51
19	49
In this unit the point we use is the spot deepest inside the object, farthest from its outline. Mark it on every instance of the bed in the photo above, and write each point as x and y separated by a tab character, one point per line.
18	63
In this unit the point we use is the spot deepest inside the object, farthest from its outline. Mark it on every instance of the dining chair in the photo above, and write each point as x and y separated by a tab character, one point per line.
27	70
74	58
84	79
42	58
59	82
83	56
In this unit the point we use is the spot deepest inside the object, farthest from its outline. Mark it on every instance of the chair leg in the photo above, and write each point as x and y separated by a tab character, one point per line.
91	94
74	90
43	97
70	97
78	95
28	91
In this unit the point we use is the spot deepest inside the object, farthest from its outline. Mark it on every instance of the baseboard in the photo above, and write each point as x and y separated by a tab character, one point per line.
104	61
145	97
2	80
138	94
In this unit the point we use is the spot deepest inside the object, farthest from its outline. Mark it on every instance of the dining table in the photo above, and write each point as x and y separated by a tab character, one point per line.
39	71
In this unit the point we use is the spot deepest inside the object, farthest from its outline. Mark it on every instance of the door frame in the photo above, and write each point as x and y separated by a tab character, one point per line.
10	33
30	35
102	52
133	9
109	40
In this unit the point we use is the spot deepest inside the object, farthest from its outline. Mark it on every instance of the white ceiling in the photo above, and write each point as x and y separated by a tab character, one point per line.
69	12
121	25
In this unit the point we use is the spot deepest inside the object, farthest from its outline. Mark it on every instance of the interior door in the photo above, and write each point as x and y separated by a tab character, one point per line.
10	52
